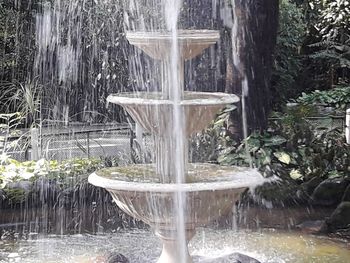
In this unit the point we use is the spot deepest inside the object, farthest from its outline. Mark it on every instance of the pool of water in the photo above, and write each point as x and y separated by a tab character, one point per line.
141	246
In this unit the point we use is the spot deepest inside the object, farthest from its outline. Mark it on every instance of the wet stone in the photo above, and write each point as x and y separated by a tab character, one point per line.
346	196
116	258
232	258
329	192
340	218
311	227
310	185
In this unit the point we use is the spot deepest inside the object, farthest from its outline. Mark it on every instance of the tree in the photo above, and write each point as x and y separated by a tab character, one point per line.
327	44
288	61
256	37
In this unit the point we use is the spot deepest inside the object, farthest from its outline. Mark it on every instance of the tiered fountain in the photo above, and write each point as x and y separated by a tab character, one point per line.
150	192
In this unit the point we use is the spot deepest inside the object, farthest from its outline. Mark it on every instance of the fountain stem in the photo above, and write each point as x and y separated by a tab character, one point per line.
166	166
172	249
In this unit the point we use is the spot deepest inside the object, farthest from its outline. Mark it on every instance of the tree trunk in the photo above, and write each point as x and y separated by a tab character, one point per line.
256	33
257	22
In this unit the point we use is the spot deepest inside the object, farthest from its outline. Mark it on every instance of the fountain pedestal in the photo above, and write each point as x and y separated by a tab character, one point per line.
171	247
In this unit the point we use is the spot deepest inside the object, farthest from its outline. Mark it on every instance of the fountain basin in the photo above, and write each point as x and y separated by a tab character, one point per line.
211	192
154	113
156	44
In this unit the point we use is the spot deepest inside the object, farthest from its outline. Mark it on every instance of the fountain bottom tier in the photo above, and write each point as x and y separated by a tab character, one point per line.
211	191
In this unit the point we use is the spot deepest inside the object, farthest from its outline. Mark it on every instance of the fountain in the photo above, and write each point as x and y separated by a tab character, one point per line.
150	192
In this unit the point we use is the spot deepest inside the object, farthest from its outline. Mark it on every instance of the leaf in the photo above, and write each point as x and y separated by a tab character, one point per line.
229	108
295	174
264	160
274	141
334	174
282	157
219	122
253	144
226	159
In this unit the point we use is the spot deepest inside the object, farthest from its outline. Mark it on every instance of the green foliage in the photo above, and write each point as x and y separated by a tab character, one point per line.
17	179
329	45
75	88
15	171
206	145
24	98
16	39
338	97
15	195
291	148
336	54
334	18
8	128
288	61
321	60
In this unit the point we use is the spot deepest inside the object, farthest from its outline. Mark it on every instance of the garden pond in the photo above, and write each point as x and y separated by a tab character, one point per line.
141	246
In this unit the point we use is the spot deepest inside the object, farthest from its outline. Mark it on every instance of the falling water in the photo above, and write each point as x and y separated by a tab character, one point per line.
237	30
172	9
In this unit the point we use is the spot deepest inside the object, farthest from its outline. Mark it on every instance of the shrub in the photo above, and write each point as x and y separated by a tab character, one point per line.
292	147
338	97
64	174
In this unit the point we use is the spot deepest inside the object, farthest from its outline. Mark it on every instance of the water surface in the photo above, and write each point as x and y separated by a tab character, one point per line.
141	246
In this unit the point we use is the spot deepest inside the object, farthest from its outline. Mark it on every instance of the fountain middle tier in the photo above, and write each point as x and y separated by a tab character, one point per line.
154	113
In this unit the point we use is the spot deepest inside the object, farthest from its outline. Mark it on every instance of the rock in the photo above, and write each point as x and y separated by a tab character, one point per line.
340	218
232	258
311	185
279	194
329	192
116	258
241	258
346	195
312	227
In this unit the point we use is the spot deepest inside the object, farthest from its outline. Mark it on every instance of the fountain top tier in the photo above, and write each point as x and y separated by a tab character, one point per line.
156	44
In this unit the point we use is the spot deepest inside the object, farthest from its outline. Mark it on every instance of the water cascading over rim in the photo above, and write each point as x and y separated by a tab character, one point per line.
155	111
153	194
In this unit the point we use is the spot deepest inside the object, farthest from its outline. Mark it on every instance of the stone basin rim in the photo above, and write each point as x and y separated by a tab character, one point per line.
252	180
210	36
209	99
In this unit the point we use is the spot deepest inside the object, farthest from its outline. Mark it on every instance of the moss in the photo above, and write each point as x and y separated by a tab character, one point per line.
147	174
